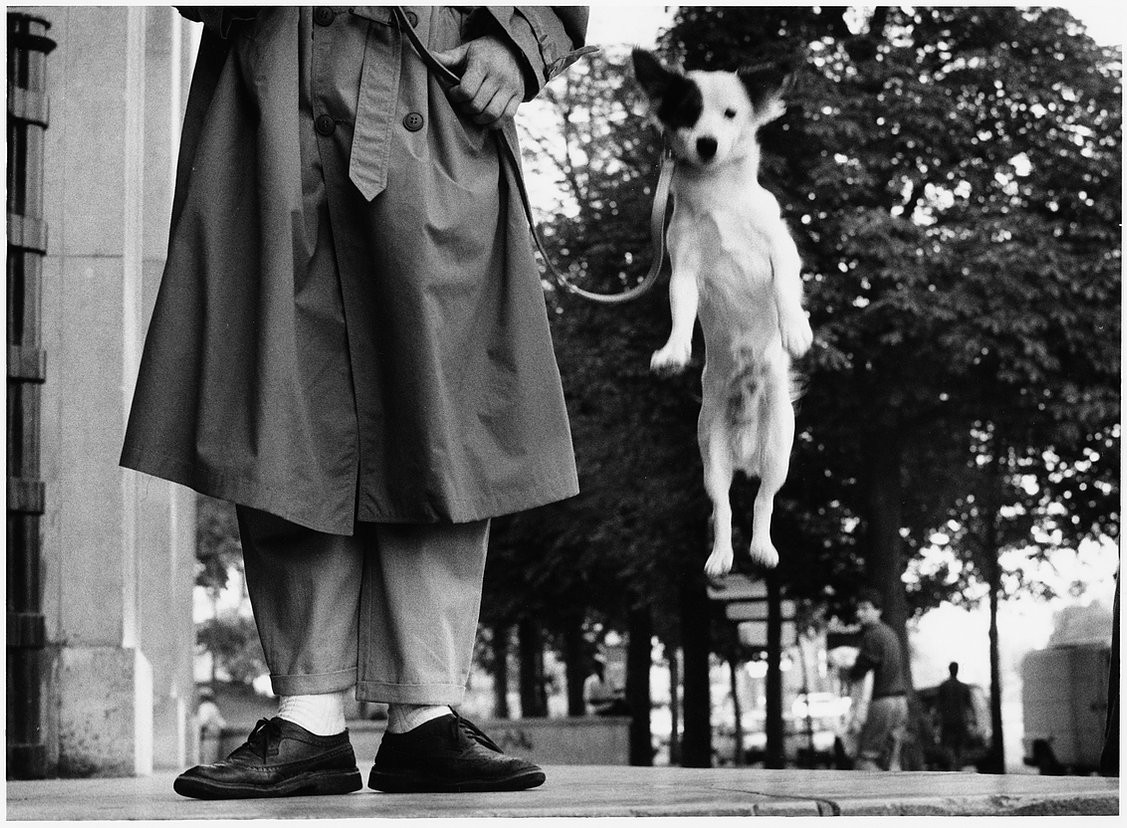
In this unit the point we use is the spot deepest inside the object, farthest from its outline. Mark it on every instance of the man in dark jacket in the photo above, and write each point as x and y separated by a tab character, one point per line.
351	344
882	731
955	706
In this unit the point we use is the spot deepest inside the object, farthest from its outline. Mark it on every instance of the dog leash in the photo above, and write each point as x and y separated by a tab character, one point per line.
657	211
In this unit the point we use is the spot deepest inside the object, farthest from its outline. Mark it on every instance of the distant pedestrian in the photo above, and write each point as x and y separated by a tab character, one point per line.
601	697
881	734
211	724
956	716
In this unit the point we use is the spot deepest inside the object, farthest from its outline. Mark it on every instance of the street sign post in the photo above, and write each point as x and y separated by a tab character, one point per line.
753	634
737	587
757	610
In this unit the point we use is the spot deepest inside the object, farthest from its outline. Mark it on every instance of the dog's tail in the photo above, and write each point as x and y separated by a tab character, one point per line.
747	395
797	386
749	400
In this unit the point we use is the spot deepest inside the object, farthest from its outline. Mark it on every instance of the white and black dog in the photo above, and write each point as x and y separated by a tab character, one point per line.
734	264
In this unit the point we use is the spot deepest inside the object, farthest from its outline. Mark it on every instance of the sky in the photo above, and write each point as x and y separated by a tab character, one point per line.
638	23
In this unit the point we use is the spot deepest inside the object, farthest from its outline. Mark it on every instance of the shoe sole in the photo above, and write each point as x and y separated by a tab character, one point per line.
418	783
304	784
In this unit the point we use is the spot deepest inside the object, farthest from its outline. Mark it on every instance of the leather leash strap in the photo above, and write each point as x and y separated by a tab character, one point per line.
657	212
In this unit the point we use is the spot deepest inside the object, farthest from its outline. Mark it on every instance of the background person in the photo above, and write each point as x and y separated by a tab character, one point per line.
955	707
880	736
602	698
211	724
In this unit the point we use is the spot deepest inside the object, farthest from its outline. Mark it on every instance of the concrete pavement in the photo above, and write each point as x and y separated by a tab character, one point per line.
602	791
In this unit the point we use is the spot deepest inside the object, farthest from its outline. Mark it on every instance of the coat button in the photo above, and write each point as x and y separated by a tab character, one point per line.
323	15
325	124
413	19
413	121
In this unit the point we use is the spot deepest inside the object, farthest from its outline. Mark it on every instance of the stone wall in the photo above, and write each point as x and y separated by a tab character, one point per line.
118	548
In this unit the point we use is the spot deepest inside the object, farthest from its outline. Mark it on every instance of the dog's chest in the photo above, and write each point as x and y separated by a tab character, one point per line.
728	244
729	241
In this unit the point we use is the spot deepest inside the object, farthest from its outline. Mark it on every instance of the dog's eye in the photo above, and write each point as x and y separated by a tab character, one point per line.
729	113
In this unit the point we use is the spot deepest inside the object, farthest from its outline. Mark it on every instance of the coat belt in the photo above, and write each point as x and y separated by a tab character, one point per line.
379	89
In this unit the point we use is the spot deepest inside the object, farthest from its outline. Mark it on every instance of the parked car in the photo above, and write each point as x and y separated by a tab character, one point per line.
810	727
1064	707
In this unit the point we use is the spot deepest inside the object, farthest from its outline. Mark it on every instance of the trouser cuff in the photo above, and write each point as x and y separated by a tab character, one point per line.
379	691
313	684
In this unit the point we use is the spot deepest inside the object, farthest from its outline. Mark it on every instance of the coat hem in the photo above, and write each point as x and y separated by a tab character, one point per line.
250	492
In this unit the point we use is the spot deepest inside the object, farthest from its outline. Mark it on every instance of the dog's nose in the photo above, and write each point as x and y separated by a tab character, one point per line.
706	148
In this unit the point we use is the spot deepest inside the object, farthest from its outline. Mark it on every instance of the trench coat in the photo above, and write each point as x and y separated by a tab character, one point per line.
350	324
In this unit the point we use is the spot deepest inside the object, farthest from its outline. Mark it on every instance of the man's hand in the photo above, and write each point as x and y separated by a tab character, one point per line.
492	85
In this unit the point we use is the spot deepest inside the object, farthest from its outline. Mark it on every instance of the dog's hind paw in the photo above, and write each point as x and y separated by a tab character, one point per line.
797	335
671	359
764	555
718	563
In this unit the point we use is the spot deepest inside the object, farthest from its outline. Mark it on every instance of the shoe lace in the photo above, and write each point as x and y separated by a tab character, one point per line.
266	734
474	732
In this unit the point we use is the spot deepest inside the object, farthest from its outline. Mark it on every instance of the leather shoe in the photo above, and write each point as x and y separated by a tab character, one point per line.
279	758
448	754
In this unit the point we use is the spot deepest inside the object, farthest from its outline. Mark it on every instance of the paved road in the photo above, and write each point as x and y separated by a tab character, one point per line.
594	791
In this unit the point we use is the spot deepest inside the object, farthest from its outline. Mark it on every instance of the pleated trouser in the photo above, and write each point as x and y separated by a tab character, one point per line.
391	609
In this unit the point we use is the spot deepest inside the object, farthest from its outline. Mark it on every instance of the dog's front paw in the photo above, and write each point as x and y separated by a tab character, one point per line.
671	359
797	334
763	554
719	563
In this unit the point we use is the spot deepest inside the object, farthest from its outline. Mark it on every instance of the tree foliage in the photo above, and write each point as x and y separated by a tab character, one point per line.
217	543
232	641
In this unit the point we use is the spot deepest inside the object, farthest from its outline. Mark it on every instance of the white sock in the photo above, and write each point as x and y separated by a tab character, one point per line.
322	714
404	717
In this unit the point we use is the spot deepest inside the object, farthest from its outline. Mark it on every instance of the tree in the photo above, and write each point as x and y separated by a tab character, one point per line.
217	543
218	551
232	640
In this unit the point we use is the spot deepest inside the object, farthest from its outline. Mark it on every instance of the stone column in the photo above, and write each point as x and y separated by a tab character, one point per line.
118	547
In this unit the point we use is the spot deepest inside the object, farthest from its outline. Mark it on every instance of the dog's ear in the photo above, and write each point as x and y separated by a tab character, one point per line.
766	84
652	76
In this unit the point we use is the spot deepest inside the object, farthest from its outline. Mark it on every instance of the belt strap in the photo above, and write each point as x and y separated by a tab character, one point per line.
508	152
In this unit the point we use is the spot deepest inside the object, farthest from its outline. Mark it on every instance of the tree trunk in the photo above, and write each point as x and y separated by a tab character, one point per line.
776	751
996	760
884	563
638	663
214	595
674	705
575	662
1109	756
533	698
737	715
884	560
696	740
501	671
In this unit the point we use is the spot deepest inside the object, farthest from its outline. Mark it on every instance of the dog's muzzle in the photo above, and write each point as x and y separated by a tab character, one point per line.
706	148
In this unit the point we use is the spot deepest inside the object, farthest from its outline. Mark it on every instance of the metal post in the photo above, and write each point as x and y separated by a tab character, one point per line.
28	47
776	748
